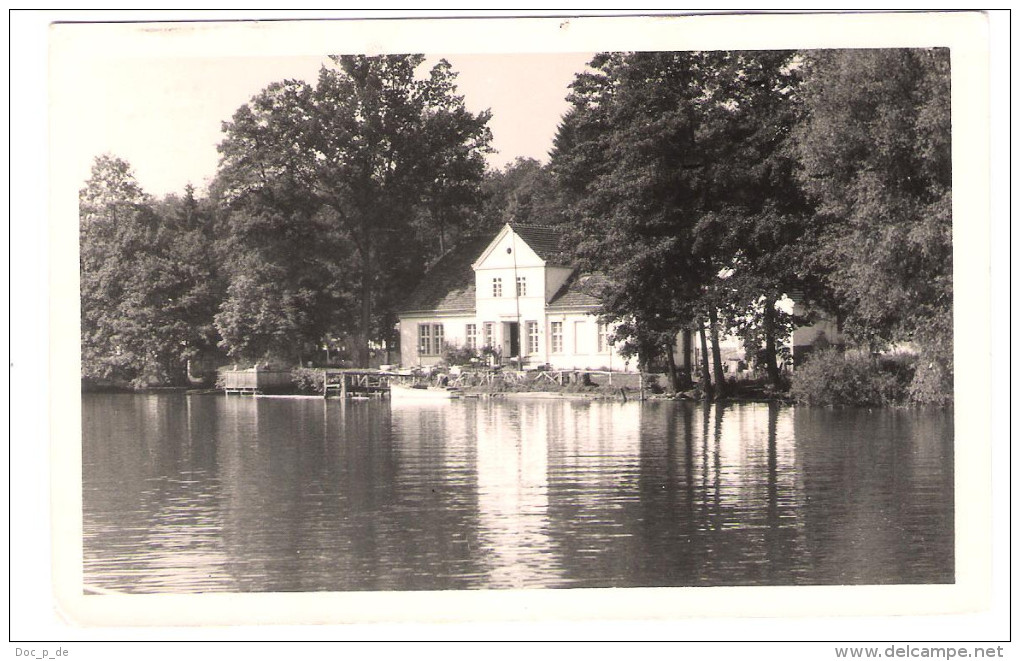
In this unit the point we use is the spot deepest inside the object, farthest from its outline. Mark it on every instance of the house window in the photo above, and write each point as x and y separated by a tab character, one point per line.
497	287
556	336
522	286
602	340
430	339
472	336
437	339
490	332
424	339
532	337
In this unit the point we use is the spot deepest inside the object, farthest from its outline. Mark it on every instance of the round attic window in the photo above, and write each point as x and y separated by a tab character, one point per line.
508	251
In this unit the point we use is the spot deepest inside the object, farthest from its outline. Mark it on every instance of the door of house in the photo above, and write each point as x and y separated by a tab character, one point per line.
512	341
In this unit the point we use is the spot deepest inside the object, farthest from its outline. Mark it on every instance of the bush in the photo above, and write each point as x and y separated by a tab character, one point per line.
652	384
901	367
307	380
454	355
830	378
932	383
933	380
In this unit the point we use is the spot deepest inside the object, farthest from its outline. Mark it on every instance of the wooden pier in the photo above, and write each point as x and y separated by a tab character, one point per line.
357	383
335	382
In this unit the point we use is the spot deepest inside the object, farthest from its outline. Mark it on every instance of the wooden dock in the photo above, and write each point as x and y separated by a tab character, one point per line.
356	383
335	382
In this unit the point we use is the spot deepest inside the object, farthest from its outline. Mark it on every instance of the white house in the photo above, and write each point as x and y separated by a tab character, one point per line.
514	293
824	330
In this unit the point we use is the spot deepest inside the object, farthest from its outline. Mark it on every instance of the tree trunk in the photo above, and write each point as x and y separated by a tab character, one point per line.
442	233
769	327
720	378
706	378
674	378
688	349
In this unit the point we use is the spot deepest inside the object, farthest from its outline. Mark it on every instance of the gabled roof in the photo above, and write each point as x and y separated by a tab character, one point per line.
544	240
450	283
578	291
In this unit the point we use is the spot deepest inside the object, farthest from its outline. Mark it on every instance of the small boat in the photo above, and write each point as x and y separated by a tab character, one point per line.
399	392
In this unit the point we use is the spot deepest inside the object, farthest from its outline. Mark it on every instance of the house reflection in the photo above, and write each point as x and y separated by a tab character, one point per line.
512	474
248	494
509	494
595	517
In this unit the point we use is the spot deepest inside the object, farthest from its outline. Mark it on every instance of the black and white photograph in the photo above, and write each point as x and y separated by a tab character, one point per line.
660	316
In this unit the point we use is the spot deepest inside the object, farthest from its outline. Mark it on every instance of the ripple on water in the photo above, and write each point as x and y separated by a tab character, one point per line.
222	494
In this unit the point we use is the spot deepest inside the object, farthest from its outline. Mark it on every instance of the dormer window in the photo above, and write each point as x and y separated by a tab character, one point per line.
497	287
522	286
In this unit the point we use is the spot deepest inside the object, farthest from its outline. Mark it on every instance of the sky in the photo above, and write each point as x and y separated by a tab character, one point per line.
164	114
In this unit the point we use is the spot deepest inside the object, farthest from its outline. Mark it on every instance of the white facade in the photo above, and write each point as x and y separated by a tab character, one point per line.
824	332
515	311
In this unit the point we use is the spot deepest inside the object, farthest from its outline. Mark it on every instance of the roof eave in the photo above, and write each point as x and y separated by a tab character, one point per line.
435	312
492	245
590	307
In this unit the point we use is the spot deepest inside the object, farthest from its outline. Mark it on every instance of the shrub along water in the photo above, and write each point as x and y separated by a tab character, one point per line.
830	377
307	380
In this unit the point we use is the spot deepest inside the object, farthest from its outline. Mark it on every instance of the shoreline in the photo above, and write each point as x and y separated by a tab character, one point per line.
516	395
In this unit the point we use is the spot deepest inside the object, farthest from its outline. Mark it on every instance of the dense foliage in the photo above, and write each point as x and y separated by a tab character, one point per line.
524	191
831	378
708	185
875	148
678	172
148	281
363	171
308	381
704	187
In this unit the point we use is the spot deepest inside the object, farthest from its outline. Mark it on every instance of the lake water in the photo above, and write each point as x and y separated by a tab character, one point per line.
214	493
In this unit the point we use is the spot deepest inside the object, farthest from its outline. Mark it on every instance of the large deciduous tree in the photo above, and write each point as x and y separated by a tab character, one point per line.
755	232
875	146
660	153
370	153
625	154
148	286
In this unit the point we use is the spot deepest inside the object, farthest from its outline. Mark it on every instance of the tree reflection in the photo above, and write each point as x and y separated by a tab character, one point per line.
253	495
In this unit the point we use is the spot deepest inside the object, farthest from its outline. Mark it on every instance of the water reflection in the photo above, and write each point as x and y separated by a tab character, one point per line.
240	494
